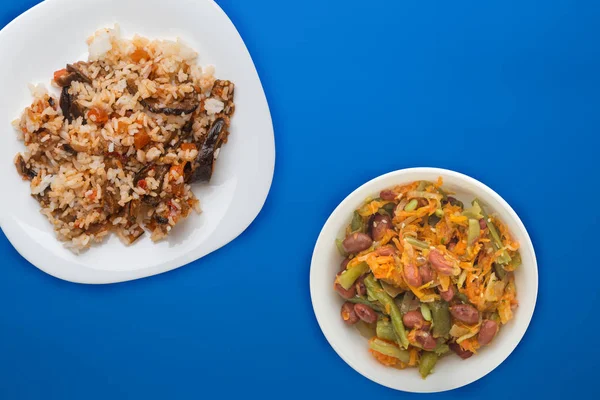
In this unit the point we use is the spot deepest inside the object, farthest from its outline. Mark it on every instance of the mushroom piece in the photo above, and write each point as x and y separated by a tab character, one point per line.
26	173
69	149
223	90
75	73
70	108
159	174
187	105
202	168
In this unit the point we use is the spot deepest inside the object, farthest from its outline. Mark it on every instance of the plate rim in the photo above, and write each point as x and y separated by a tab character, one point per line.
94	276
312	275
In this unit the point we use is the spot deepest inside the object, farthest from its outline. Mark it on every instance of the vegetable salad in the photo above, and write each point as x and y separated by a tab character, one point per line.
425	275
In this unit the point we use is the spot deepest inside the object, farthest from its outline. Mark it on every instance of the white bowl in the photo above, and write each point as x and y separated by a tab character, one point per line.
451	372
53	33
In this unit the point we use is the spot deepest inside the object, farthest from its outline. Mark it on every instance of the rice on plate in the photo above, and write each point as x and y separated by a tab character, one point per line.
132	128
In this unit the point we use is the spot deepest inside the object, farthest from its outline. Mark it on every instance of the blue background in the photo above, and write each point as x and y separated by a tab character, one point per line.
507	92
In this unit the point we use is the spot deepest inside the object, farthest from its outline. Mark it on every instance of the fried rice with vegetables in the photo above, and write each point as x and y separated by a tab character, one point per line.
425	276
117	150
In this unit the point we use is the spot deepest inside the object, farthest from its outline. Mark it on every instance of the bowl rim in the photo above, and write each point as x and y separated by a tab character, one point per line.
399	174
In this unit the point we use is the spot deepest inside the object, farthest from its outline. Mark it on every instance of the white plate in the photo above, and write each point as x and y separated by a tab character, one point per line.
53	33
451	372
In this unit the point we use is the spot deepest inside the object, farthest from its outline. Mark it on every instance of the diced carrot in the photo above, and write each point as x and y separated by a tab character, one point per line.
122	127
59	73
142	183
98	115
140	139
188	146
177	189
138	55
176	171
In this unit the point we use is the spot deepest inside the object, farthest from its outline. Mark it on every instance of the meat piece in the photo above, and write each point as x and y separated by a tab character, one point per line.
111	202
202	168
95	229
131	210
132	235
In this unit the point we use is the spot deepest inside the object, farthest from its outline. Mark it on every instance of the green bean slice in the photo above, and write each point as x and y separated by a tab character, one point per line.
440	314
349	276
411	205
389	349
415	242
385	330
427	362
425	312
374	289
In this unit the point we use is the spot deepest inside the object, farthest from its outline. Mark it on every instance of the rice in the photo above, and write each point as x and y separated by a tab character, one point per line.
134	126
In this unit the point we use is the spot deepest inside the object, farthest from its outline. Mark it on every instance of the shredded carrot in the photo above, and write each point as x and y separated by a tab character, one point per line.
459	219
460	248
371	207
414	357
384	359
470	344
387	236
444	282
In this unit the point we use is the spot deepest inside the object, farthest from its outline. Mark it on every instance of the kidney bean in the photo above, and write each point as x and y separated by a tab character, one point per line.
344	264
465	313
482	224
426	273
440	264
487	331
412	275
379	225
348	314
413	319
455	202
448	294
385	251
426	341
357	242
346	294
365	313
464	354
387	195
361	289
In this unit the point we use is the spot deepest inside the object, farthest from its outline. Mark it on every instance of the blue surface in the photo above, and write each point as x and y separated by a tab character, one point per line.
507	92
